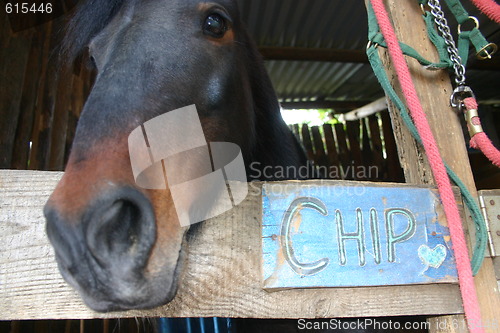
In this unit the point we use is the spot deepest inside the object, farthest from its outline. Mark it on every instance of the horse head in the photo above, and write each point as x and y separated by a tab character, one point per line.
118	244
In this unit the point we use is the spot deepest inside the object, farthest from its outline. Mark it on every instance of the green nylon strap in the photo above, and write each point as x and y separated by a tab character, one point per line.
480	224
437	40
378	39
465	38
375	37
457	10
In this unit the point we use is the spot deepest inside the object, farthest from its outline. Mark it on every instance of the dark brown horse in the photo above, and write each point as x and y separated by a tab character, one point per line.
119	245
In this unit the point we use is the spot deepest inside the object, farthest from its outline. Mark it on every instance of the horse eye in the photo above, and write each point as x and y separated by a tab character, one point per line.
215	26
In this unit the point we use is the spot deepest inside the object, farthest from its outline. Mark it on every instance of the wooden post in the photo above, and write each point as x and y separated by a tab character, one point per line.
434	90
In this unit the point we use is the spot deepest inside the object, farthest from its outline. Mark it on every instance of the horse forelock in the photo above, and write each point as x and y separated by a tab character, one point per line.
88	19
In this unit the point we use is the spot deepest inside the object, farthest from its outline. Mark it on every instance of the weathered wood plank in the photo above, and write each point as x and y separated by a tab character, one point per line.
367	154
62	110
35	136
307	142
296	131
377	150
319	147
333	158
222	275
344	154
42	138
28	105
353	135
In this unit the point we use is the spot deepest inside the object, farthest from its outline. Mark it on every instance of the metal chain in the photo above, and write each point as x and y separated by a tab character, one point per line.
444	29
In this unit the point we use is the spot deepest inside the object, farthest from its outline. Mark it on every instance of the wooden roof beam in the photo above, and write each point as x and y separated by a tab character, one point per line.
350	56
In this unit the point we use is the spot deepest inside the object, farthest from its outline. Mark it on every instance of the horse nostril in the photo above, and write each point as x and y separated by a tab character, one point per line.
121	229
62	235
116	230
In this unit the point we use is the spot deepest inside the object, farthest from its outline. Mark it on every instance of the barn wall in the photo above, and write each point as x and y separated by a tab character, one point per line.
363	149
40	101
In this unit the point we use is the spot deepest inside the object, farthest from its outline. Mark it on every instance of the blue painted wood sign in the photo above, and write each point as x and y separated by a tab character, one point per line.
347	234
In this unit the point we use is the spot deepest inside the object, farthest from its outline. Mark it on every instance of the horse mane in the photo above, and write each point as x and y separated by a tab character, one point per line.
88	19
275	143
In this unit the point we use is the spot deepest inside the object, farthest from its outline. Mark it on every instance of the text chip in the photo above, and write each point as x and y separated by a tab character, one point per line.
346	234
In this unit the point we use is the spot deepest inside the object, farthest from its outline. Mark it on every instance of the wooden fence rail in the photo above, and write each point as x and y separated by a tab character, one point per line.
222	277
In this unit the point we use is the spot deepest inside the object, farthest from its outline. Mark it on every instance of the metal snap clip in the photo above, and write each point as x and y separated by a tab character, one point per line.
459	94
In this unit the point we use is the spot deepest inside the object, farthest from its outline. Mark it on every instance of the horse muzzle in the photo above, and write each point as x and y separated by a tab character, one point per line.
103	253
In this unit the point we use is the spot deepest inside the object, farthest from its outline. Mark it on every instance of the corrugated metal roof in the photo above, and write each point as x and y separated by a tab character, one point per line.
334	24
306	23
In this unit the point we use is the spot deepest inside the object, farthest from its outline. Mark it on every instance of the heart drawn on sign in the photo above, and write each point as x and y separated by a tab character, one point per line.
432	257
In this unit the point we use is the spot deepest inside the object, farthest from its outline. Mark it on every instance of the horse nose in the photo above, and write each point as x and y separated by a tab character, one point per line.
121	228
114	235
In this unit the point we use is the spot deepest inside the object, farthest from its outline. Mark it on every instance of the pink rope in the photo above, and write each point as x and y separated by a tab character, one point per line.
480	140
490	8
467	288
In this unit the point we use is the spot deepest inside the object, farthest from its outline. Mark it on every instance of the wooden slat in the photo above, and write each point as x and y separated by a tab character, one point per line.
319	147
42	141
377	149
28	102
34	156
14	60
307	142
42	149
344	155
222	275
61	117
77	101
352	129
333	159
366	148
296	131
